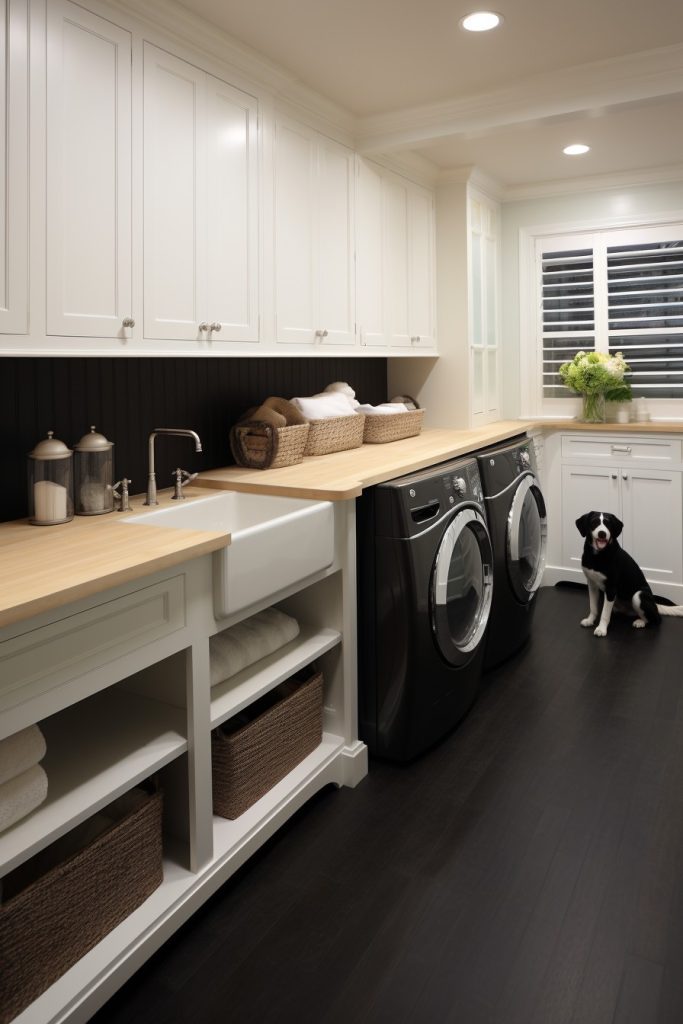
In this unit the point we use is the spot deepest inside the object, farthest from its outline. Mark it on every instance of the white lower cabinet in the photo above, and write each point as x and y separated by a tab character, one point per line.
640	480
130	702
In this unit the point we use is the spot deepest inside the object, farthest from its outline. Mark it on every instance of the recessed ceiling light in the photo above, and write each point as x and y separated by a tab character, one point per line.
576	150
481	21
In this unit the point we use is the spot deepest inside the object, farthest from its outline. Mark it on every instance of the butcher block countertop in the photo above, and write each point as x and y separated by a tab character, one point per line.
45	567
344	475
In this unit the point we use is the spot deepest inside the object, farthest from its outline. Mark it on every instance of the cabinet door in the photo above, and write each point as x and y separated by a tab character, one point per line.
652	514
370	256
14	167
88	174
232	232
421	268
175	183
585	488
335	244
396	261
295	236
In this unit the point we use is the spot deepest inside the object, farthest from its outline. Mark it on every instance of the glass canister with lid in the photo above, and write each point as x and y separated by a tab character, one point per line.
93	475
50	483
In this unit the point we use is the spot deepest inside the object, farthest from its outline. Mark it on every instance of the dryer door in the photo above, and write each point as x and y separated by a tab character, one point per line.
462	584
526	538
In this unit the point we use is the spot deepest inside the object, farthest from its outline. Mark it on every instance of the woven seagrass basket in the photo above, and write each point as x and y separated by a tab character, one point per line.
336	434
260	446
250	761
58	906
393	427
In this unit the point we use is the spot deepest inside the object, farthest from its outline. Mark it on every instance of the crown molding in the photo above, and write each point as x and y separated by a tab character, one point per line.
594	183
474	176
638	76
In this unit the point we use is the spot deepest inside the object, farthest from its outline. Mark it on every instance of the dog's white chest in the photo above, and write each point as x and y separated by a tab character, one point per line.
595	577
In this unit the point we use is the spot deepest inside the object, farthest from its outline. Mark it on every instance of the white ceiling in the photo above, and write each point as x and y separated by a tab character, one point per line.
607	72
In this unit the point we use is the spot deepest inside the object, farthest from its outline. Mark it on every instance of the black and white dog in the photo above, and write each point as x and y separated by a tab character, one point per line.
609	568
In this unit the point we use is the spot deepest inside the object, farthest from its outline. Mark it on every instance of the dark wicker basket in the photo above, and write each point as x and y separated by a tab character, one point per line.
61	910
259	446
251	760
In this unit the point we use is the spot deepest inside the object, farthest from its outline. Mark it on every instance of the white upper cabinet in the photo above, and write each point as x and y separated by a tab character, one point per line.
200	205
89	277
395	261
14	167
313	237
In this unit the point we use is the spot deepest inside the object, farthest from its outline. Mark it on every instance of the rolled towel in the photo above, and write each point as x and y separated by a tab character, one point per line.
249	641
342	387
21	751
263	414
385	409
293	417
21	795
324	406
410	403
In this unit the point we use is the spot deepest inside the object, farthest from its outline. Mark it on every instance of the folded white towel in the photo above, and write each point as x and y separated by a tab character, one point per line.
249	641
21	795
325	405
385	409
21	751
343	388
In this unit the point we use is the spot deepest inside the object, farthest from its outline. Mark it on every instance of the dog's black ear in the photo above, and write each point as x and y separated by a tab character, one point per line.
583	523
615	525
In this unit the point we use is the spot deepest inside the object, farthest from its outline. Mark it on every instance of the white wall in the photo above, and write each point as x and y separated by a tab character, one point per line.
607	206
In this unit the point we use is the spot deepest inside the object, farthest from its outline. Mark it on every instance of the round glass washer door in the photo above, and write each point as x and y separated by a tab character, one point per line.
462	587
527	532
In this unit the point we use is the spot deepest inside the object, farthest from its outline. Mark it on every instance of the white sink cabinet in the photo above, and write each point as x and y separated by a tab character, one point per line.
120	685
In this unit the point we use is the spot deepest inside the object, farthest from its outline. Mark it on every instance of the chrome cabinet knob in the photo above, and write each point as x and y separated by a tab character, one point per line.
321	334
203	326
128	321
215	326
415	340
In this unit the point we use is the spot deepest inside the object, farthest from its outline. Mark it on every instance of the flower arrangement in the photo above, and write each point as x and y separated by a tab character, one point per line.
598	377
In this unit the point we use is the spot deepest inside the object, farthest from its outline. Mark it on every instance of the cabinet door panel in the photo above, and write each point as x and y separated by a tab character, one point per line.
421	269
653	513
232	233
336	307
88	173
295	236
396	261
585	488
13	167
174	197
370	256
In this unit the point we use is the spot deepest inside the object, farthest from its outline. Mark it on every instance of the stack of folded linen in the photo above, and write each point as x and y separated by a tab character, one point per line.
384	409
249	641
23	782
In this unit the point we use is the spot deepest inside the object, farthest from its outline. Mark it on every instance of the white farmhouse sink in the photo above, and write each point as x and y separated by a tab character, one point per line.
274	541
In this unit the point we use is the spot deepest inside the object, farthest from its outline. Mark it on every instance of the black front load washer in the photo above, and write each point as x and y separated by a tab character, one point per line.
425	584
516	514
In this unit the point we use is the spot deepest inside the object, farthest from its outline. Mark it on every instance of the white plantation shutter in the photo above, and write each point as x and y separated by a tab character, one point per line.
614	291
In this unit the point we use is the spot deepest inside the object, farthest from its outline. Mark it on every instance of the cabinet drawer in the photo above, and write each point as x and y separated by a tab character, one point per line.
603	448
43	659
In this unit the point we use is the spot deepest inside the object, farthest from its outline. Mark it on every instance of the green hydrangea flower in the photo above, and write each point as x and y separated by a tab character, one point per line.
596	373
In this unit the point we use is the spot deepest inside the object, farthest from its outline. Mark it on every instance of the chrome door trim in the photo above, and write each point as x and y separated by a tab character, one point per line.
529	483
439	585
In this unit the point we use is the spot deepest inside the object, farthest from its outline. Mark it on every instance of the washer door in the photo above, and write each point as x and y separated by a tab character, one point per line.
527	531
462	585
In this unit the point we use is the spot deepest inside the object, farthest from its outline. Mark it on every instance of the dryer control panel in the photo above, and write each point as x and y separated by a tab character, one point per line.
409	504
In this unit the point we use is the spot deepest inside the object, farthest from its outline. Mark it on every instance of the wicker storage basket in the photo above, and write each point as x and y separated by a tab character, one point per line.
394	426
59	904
260	446
251	760
335	434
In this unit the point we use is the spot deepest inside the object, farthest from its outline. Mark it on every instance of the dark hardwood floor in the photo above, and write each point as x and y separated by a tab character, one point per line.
528	870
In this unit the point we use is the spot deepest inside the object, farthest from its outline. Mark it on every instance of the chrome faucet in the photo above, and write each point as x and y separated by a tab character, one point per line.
151	479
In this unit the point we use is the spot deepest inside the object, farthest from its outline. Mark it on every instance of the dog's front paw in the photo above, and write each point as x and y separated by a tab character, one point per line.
639	623
600	631
588	622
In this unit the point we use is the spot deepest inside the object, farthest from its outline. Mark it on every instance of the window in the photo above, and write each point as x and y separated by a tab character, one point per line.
619	290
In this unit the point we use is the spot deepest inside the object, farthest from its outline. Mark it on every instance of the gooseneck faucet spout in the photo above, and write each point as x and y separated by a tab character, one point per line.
151	479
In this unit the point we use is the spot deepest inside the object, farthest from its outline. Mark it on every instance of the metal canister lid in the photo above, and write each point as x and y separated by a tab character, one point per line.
93	442
51	448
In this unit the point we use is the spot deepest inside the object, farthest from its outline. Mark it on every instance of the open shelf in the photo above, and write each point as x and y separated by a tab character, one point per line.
240	690
96	750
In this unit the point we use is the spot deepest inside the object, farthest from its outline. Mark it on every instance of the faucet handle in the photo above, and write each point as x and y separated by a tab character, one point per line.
122	496
182	478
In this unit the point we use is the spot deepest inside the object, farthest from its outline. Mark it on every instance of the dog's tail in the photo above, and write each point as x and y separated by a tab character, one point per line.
675	610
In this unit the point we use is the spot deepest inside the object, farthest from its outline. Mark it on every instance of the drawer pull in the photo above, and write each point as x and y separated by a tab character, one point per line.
621	447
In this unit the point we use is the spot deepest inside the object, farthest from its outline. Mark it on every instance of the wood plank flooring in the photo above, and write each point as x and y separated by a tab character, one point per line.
528	870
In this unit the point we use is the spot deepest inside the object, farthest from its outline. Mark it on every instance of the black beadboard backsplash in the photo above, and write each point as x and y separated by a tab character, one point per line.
126	398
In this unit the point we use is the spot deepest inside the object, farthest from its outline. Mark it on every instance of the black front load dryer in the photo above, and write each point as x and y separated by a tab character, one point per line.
516	514
425	584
